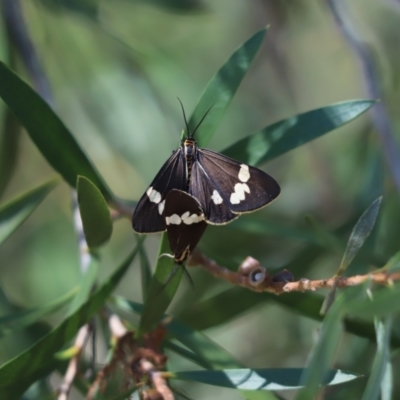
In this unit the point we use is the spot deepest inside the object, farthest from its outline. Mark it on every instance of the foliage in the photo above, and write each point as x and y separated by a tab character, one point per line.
236	340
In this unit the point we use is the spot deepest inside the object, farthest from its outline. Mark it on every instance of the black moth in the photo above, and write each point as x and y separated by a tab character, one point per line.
185	223
224	187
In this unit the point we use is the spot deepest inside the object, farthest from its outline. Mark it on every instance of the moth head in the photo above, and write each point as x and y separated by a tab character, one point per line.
191	135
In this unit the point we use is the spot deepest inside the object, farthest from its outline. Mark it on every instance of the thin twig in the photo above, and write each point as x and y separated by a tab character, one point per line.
268	284
72	369
372	85
158	380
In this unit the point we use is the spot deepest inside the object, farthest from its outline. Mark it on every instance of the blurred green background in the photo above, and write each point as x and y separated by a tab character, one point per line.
116	68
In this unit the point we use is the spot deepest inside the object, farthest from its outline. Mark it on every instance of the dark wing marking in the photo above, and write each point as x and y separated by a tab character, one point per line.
239	195
172	175
202	187
183	237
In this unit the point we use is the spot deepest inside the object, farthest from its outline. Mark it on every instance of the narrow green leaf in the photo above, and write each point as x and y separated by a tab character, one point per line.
160	295
183	352
387	383
95	214
382	360
20	372
23	319
86	286
359	234
222	87
260	379
323	352
48	132
309	304
383	303
145	272
286	135
206	352
9	140
16	211
393	264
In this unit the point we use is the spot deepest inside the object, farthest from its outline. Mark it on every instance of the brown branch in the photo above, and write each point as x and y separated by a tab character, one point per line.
158	380
249	277
72	369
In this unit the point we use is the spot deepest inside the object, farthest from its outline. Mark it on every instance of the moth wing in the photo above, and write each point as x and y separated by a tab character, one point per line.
243	188
148	216
203	186
185	223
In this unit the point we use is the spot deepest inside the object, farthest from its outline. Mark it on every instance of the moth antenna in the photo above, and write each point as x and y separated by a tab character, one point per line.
205	115
184	117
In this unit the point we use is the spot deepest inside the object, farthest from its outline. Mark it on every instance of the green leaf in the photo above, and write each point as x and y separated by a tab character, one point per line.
48	132
95	214
383	303
9	142
393	264
26	318
222	87
16	211
324	350
359	234
309	305
286	135
183	352
260	379
160	295
86	286
20	372
145	272
381	363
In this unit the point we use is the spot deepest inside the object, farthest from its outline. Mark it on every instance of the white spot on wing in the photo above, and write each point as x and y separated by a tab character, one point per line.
185	215
239	194
174	219
193	219
244	173
154	196
216	198
161	207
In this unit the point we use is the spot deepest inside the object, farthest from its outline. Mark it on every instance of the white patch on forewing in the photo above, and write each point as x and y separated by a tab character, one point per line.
174	219
154	196
216	198
161	207
238	195
244	173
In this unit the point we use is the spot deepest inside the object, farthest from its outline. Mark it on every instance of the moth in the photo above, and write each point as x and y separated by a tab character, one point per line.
224	187
185	223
